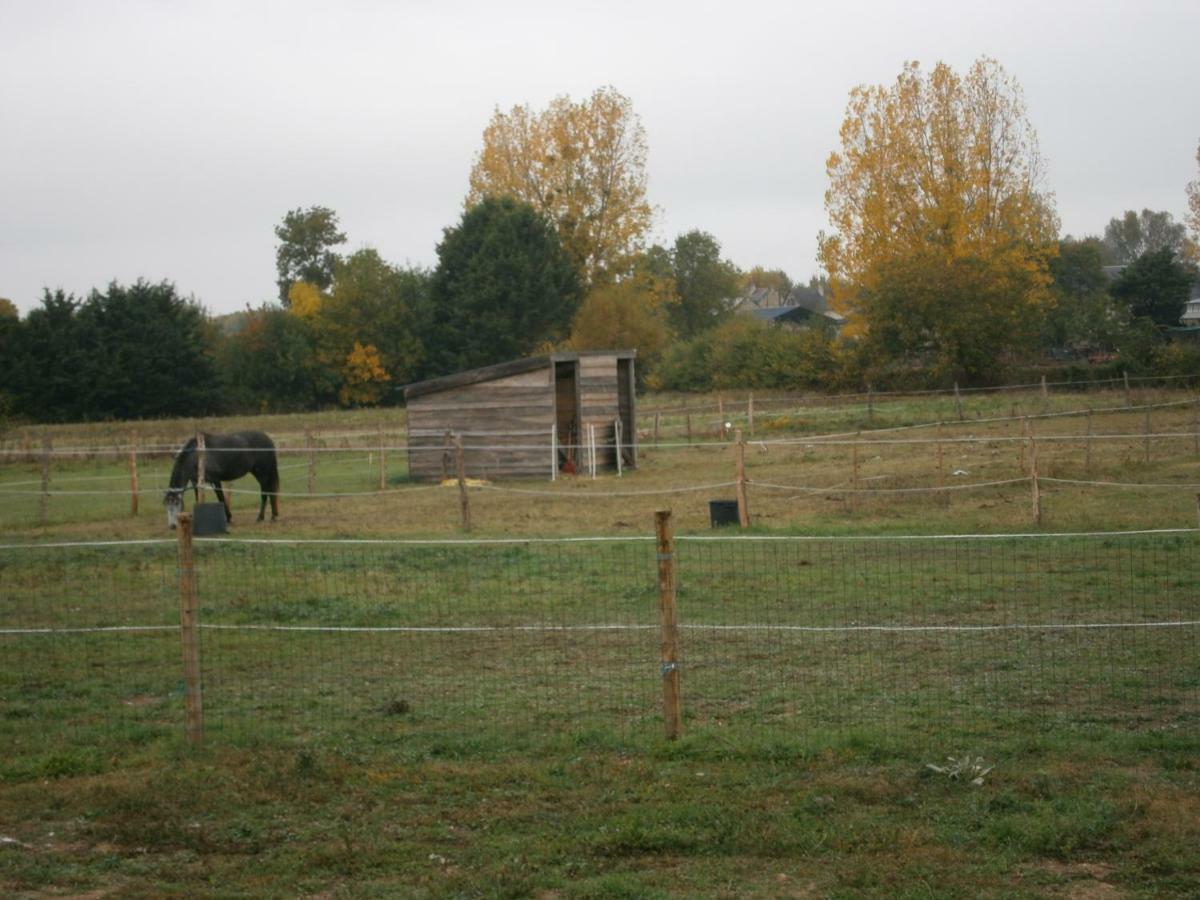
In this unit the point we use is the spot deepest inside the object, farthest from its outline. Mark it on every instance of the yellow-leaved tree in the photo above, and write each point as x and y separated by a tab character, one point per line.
304	299
583	166
1193	214
363	377
942	235
628	314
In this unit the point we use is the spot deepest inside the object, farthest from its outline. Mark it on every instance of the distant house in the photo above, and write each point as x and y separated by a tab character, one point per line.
803	307
1191	312
798	317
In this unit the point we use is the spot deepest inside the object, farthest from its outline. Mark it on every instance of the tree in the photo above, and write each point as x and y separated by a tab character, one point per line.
272	363
777	279
1083	316
304	254
705	283
1193	215
941	237
1134	235
503	287
1156	286
583	166
630	313
380	306
149	354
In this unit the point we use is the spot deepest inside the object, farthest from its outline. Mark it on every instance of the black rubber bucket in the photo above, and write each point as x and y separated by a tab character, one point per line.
208	518
722	512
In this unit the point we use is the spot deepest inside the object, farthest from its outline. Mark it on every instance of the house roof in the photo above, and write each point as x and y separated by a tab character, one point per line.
794	314
504	370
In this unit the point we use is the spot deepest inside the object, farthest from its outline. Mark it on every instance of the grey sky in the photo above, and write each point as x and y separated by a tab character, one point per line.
165	140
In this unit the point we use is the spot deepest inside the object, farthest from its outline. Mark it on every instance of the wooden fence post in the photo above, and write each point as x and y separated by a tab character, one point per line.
870	404
382	463
133	475
1035	487
668	625
312	460
1146	435
464	501
1087	445
189	633
44	509
958	402
1128	395
688	416
750	413
656	429
201	465
740	479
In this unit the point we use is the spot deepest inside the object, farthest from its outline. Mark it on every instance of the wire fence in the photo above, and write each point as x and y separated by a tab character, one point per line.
320	640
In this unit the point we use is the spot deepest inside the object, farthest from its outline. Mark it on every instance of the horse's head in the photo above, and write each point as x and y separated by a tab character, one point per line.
173	500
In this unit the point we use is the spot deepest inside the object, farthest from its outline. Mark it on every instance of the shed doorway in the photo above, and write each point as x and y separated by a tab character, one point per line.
566	413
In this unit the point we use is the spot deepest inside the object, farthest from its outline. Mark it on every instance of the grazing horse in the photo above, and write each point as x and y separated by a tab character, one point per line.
226	457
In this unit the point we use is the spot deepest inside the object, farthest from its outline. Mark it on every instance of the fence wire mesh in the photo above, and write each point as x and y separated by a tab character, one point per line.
319	640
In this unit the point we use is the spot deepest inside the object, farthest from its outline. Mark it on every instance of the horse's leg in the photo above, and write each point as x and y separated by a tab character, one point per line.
216	486
262	498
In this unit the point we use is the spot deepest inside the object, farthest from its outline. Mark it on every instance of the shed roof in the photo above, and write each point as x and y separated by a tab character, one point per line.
504	370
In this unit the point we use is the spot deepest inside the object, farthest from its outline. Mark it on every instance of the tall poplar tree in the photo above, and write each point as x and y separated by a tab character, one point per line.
941	234
583	166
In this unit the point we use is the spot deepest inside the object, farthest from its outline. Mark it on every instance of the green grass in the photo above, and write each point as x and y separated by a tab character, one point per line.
531	763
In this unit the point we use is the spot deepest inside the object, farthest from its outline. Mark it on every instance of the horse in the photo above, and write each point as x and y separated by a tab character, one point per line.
226	457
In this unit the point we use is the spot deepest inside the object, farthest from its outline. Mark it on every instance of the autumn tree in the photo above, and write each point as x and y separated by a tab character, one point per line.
941	237
630	313
1134	235
583	166
503	287
304	252
775	279
1193	215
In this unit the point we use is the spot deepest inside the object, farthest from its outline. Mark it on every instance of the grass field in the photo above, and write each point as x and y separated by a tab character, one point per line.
493	727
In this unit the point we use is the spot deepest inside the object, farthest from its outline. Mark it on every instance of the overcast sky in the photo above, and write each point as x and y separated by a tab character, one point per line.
165	140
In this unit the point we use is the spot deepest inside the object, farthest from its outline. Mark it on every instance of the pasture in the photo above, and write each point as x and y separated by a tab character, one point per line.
390	710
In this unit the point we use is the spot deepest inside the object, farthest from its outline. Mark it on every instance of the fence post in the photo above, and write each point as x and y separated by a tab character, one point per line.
1196	428
750	413
740	479
200	466
688	417
189	633
133	475
1087	445
854	470
1128	395
382	462
447	443
668	625
1146	435
312	460
958	402
1045	393
1035	487
44	509
617	441
656	429
870	404
554	452
464	501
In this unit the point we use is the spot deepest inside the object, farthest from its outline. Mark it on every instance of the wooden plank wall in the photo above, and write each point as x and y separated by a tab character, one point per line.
506	425
600	407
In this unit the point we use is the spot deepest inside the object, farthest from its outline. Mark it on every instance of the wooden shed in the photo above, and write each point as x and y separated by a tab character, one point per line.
527	418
